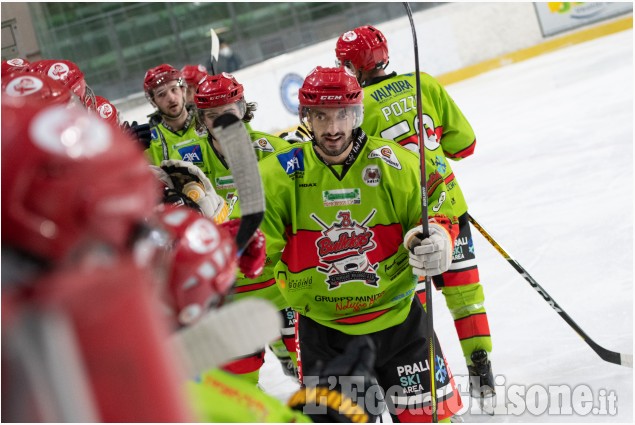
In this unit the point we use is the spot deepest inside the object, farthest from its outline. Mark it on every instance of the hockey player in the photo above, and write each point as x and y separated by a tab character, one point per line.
390	112
175	130
82	340
342	227
218	94
192	74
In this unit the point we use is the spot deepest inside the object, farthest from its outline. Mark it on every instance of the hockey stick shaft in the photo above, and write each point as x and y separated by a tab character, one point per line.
607	355
233	137
424	219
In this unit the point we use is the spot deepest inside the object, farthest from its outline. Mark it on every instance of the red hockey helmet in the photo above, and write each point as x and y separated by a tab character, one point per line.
63	70
365	48
106	110
331	88
193	74
15	64
35	88
158	76
64	182
218	90
201	264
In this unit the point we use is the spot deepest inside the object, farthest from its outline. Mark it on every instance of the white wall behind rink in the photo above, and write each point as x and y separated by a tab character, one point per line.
450	37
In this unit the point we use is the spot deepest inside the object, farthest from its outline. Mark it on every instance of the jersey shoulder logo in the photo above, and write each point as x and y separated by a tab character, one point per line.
292	161
386	154
263	145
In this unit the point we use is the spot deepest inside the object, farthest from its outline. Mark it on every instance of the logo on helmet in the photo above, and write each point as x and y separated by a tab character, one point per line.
16	62
331	97
105	110
203	237
58	71
71	134
349	36
23	86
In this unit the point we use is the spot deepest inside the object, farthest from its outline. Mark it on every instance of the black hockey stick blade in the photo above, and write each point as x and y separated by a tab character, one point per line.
231	133
606	355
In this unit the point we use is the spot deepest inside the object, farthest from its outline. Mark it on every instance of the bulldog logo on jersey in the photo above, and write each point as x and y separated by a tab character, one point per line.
386	154
371	175
342	251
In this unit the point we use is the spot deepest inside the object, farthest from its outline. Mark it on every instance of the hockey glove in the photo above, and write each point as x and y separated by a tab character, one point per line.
252	261
186	178
140	132
431	256
345	389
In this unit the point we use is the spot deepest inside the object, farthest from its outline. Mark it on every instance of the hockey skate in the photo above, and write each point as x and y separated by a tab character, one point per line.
482	381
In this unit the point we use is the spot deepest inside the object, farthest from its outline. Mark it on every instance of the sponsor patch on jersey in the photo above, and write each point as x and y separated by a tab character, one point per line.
224	183
191	153
386	154
343	248
292	161
371	175
153	133
338	197
263	145
440	163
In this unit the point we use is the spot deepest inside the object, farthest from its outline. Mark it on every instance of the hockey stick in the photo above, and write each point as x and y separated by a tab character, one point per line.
234	330
231	133
215	49
606	355
424	221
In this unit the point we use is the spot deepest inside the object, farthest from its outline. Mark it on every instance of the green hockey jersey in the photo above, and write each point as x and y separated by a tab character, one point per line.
189	144
390	112
221	397
335	233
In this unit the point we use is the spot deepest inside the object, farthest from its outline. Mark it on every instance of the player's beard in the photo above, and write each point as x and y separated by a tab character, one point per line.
333	150
174	116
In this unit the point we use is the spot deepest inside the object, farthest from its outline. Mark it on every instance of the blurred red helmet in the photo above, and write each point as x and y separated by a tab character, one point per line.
218	90
106	110
15	64
35	88
193	74
158	76
365	48
201	263
69	178
63	70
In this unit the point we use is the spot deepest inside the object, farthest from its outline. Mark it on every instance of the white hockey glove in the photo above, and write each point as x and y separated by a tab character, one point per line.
188	179
431	256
